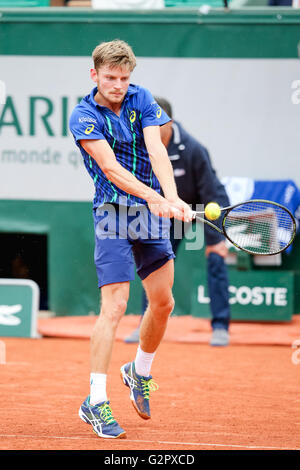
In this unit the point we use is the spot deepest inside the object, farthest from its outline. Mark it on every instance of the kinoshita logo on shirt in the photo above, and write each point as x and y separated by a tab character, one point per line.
89	129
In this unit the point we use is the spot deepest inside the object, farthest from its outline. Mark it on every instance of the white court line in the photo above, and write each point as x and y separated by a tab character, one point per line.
199	444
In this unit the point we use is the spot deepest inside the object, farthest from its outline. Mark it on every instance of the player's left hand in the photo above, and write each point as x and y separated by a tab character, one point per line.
219	248
181	210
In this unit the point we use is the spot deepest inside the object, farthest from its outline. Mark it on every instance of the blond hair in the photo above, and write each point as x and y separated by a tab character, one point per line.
115	53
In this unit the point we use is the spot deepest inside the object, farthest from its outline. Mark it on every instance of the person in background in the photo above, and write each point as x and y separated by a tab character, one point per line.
197	183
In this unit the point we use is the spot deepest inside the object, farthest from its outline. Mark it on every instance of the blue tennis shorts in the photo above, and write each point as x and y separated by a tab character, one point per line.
129	238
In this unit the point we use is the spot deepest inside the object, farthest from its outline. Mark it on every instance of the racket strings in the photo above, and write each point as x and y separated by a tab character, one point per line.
259	227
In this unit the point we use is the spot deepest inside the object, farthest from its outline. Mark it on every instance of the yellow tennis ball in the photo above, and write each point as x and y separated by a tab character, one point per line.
212	211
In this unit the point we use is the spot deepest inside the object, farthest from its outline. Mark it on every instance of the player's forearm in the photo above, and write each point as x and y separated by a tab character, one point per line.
126	181
102	153
163	170
157	203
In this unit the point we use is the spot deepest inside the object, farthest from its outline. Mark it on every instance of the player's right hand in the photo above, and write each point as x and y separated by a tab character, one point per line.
181	210
178	209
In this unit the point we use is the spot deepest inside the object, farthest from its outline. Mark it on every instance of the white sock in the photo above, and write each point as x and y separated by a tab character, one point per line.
97	388
143	362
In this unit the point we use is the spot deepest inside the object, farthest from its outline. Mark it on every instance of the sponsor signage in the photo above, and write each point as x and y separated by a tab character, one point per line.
253	295
19	304
40	161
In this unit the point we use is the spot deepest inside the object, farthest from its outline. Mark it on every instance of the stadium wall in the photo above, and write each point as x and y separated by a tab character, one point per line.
233	79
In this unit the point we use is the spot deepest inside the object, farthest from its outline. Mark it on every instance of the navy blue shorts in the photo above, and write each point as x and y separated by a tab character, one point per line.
129	238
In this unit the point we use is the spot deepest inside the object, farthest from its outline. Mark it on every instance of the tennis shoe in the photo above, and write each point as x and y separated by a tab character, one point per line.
101	418
140	388
219	337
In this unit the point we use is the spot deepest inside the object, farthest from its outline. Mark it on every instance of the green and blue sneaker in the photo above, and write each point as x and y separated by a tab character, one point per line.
101	418
140	388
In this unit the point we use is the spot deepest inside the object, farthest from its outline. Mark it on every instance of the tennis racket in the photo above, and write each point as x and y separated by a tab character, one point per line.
258	227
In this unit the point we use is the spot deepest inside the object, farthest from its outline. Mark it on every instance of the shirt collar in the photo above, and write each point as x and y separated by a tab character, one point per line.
132	89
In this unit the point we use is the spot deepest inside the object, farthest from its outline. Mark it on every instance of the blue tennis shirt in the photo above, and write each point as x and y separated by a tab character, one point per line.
124	134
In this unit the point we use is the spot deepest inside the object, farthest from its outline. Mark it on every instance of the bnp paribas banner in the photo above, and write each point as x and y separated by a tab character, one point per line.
244	110
253	295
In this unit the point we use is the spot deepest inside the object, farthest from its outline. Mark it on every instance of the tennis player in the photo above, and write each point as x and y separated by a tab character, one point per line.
117	129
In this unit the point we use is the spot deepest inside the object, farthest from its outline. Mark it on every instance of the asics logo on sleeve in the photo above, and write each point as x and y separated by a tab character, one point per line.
158	112
89	129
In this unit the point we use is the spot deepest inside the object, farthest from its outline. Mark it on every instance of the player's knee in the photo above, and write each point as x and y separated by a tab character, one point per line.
118	309
114	312
163	305
171	305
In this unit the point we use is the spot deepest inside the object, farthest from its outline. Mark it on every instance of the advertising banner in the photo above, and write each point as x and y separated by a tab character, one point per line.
221	102
19	304
253	295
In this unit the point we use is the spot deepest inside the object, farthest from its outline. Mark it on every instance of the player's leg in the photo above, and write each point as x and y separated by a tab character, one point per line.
115	268
96	409
114	298
158	286
134	336
136	374
154	256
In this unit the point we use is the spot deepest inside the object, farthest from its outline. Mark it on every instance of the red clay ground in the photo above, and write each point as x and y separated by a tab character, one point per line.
235	398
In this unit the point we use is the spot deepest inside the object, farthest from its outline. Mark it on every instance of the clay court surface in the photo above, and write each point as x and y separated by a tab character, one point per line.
242	397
